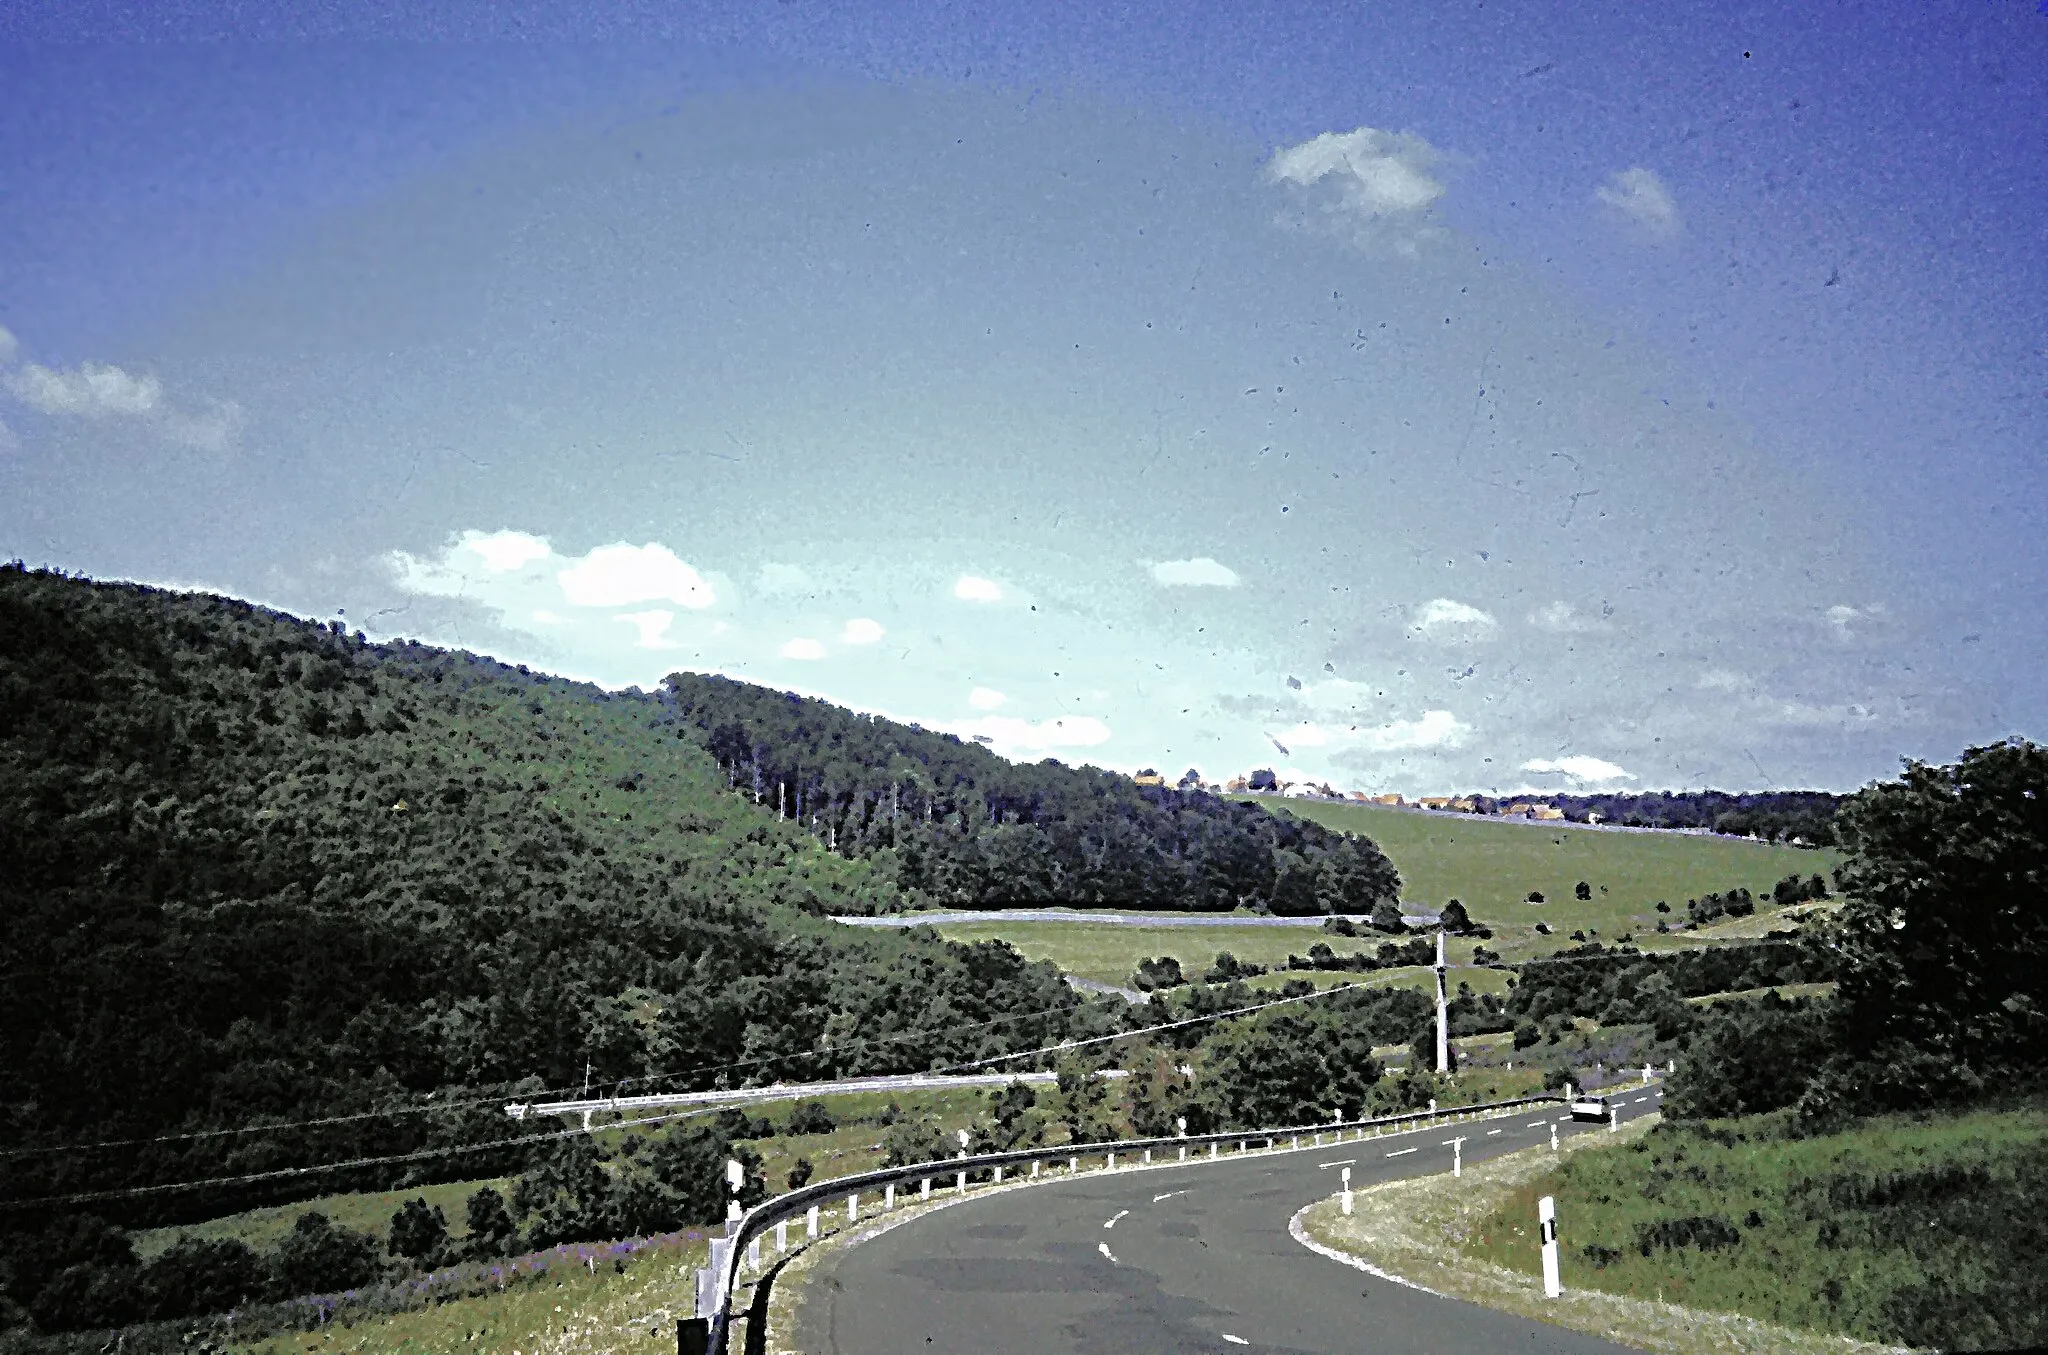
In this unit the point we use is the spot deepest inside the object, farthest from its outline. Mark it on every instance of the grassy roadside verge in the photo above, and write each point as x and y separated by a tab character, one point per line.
1421	1229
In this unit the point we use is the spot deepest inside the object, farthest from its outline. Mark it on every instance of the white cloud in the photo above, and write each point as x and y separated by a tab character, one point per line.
1435	729
1200	572
507	550
1721	680
9	346
1844	618
1447	621
784	581
96	390
985	698
1641	196
974	588
1579	768
802	648
861	631
653	627
1374	173
547	618
1012	736
101	391
1561	618
620	575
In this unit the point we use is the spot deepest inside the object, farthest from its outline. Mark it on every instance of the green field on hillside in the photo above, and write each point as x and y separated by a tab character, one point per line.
1493	864
1925	1230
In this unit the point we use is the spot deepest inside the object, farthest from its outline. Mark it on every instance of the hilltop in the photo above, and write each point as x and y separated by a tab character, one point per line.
259	870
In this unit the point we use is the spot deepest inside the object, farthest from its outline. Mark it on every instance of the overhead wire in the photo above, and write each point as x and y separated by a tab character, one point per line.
425	1154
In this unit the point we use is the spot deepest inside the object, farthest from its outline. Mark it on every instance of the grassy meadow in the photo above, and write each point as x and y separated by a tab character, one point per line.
1925	1231
1493	864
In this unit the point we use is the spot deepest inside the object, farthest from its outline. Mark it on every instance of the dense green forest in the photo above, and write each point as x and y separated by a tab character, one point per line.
259	871
952	821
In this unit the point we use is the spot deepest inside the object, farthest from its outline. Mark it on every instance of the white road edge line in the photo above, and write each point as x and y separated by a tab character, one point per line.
1119	1214
1103	1247
1401	1152
1300	1234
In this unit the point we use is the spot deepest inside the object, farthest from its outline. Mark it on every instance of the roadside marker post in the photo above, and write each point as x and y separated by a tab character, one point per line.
754	1253
924	1189
811	1222
1614	1119
889	1196
1553	1136
1347	1190
781	1235
853	1206
1458	1156
1546	1219
960	1182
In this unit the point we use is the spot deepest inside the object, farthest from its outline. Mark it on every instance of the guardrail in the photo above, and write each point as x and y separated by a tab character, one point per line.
717	1282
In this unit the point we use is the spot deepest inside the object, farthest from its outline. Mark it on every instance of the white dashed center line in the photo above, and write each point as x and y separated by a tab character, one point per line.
1119	1214
1639	1100
1400	1152
1341	1162
1535	1124
1167	1196
1491	1132
1235	1340
1103	1247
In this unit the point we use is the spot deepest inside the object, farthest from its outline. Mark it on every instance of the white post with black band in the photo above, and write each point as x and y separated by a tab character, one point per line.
1546	1217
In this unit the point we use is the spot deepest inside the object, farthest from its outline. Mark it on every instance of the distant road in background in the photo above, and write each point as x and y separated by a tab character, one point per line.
1107	918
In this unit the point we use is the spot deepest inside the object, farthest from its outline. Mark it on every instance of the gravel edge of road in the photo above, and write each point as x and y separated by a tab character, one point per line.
1401	1231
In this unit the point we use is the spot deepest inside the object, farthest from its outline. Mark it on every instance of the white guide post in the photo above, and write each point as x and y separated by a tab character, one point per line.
1613	1119
1458	1156
811	1222
1073	1166
782	1235
754	1253
1443	1010
889	1196
853	1207
1546	1219
1109	1163
1148	1157
1553	1136
924	1189
1034	1171
960	1182
1212	1152
999	1175
1347	1190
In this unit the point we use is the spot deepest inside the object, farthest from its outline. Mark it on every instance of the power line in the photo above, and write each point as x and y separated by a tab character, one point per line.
287	1173
498	1099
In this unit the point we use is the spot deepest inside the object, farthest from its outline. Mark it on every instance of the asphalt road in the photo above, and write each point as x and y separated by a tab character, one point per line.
1169	1260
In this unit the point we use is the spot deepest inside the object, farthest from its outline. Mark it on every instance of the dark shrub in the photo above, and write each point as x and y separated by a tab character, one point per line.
317	1257
200	1275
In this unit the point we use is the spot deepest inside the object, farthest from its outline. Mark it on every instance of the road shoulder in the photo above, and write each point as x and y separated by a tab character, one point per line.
1408	1232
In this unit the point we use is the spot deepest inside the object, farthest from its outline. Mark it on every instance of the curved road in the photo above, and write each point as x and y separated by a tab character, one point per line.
1169	1260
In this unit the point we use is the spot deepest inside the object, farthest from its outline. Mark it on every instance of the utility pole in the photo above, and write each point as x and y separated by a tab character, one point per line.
1443	1013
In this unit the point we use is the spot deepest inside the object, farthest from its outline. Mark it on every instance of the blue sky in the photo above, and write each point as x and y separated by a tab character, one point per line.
1494	397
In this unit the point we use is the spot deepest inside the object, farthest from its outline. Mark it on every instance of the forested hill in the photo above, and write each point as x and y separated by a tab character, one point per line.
956	823
253	870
